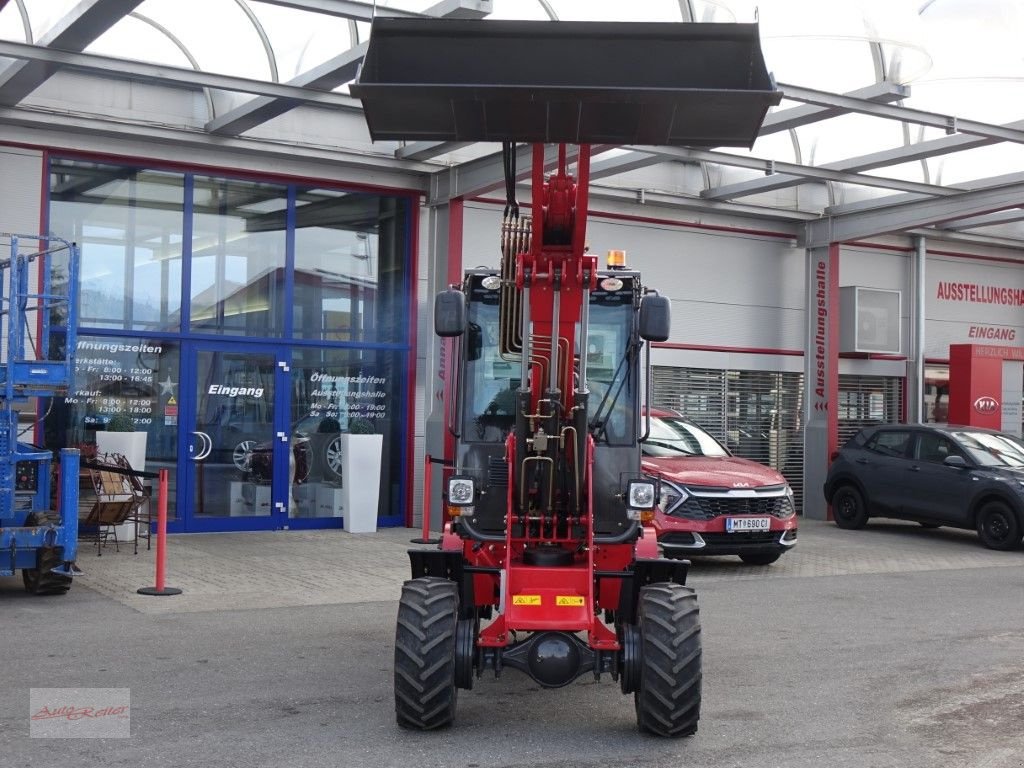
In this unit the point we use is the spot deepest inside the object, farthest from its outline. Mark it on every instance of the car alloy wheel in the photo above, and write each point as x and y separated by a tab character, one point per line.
332	457
240	456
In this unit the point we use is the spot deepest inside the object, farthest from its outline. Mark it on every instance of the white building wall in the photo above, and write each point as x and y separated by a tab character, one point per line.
21	180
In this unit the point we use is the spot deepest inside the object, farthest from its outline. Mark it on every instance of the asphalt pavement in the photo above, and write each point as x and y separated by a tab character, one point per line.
893	646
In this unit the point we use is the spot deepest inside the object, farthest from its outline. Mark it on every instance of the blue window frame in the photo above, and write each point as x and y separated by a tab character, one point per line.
321	276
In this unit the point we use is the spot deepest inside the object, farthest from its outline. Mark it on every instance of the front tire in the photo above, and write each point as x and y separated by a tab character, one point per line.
998	527
668	695
848	508
425	691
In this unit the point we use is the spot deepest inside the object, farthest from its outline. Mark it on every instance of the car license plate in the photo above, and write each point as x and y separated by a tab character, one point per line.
738	524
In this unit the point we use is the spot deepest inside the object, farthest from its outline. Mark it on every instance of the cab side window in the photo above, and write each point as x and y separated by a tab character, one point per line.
936	448
889	443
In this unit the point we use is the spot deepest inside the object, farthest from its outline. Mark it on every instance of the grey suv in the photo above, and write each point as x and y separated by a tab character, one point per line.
935	474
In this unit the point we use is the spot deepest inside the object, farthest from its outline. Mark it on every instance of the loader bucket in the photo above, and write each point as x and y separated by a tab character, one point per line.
699	85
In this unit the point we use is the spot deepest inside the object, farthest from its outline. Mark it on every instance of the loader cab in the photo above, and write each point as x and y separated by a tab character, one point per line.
489	380
607	353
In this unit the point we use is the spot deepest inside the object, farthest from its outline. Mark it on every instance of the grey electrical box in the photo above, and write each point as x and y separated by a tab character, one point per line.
869	320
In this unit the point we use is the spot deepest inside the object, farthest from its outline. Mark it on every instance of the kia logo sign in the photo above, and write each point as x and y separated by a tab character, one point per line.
986	405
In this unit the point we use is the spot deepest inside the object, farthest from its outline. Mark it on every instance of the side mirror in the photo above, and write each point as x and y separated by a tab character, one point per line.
450	313
955	461
655	317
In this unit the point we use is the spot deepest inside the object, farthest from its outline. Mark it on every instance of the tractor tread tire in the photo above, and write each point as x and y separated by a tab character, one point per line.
668	696
425	635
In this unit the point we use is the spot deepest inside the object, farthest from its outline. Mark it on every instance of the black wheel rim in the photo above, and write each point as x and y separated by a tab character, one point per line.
997	527
847	508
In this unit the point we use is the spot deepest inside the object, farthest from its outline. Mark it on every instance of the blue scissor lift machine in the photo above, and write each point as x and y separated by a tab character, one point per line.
40	542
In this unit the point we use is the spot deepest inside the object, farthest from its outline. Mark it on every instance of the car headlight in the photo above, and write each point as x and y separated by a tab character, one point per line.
460	491
788	508
640	494
671	497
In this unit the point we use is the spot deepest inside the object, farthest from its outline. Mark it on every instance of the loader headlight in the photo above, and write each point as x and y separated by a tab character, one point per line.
640	494
460	491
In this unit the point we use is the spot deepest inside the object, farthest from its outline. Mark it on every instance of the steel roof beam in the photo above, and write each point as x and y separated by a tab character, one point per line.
905	216
124	69
80	27
880	202
333	73
356	11
485	174
782	120
794	117
425	150
325	77
807	171
988	220
905	154
949	123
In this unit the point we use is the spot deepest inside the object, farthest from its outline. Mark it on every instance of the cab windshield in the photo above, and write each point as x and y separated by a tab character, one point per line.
490	381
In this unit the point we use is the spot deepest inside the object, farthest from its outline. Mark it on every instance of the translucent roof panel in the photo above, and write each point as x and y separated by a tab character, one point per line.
301	40
243	53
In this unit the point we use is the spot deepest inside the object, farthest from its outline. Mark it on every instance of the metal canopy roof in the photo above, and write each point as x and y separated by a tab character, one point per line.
902	180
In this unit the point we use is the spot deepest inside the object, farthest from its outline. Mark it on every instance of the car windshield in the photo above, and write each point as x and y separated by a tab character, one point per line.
675	437
992	450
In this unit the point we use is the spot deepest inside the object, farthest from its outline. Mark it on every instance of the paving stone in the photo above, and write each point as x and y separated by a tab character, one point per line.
252	571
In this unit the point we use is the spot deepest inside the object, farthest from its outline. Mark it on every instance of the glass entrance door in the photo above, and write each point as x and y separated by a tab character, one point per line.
236	439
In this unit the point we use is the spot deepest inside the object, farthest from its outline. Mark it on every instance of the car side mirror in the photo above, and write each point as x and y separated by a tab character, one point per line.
955	461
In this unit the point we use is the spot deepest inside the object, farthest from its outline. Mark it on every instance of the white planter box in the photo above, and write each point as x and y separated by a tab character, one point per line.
360	473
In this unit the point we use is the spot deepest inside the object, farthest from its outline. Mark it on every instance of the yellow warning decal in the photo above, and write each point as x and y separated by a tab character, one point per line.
525	599
573	600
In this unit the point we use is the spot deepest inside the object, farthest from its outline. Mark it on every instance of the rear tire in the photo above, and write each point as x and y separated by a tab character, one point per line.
425	691
668	696
41	580
760	558
848	508
998	527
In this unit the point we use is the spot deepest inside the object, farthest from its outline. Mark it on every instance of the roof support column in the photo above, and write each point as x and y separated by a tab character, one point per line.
444	268
821	374
918	302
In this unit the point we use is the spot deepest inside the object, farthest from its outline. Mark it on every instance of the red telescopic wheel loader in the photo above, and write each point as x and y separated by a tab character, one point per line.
548	563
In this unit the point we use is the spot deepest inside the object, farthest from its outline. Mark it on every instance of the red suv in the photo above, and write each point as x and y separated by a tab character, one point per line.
714	503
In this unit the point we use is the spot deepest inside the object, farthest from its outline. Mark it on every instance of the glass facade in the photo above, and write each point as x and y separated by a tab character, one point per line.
254	330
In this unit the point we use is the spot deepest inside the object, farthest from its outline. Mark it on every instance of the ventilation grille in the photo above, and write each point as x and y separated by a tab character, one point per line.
868	400
756	414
